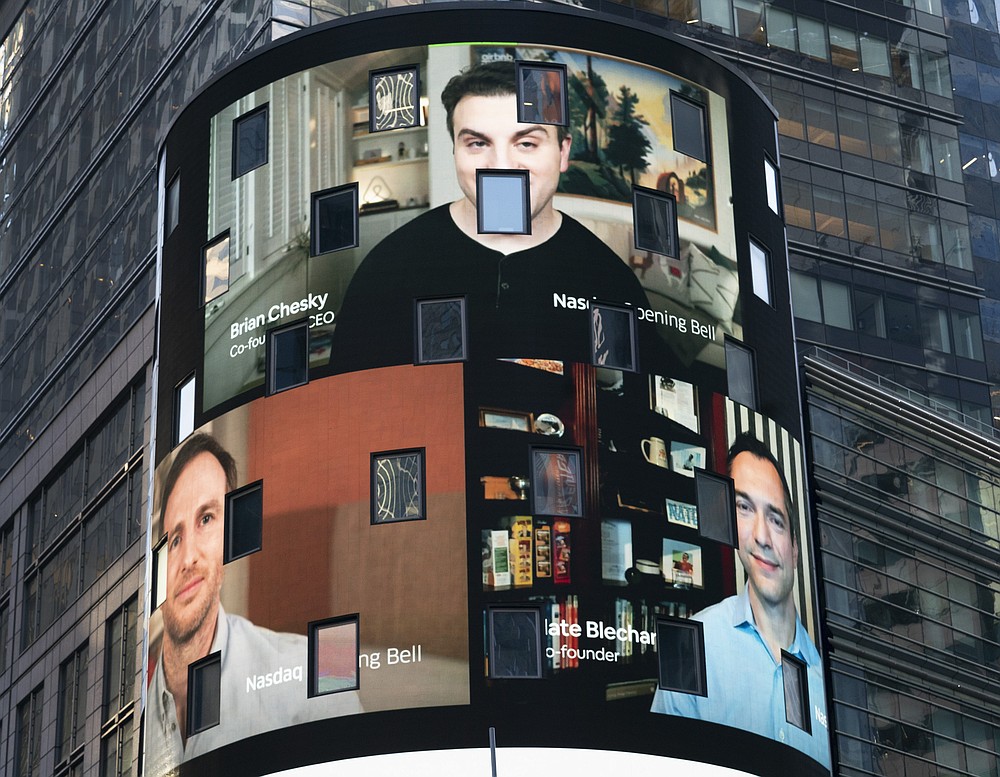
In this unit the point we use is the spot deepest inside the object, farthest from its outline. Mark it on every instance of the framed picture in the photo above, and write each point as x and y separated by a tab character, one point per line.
502	206
681	655
394	98
397	487
506	419
654	221
542	97
557	482
681	564
334	655
515	642
612	337
685	459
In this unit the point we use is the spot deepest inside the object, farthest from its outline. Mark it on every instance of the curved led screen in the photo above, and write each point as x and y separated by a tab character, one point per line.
466	439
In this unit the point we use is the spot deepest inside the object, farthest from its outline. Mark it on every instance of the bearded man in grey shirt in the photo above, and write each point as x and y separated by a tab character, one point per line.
263	677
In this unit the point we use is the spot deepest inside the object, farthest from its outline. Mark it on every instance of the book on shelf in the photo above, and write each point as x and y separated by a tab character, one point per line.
521	557
543	548
562	551
496	559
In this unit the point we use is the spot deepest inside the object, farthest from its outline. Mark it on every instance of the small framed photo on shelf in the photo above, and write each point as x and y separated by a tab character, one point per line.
681	564
685	458
397	486
394	98
681	655
674	399
514	420
515	642
557	481
334	655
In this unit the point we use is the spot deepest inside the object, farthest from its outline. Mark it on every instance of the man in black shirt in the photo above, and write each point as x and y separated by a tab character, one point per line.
526	295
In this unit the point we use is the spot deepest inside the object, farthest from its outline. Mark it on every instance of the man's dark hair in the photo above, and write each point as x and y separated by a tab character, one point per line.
196	445
747	443
490	79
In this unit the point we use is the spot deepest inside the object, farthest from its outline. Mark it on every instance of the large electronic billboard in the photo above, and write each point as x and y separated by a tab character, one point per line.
513	482
620	134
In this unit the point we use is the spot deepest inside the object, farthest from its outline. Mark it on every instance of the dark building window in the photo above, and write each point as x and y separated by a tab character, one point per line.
394	98
441	330
542	97
741	373
760	266
159	576
215	268
796	684
205	693
29	735
515	642
771	187
613	338
172	206
335	219
716	500
72	706
689	127
654	222
287	357
681	656
334	655
4	633
249	141
244	521
118	719
397	487
184	403
502	202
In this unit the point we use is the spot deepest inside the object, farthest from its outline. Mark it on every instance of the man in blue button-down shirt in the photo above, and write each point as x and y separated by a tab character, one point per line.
745	634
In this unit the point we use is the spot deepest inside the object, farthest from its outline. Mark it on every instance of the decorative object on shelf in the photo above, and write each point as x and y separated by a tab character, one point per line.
655	451
549	424
499	487
682	514
682	564
520	486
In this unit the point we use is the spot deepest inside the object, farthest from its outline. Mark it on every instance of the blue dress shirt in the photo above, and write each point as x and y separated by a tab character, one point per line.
745	684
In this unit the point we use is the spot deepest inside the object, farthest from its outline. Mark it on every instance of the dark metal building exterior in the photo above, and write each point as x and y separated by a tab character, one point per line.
889	141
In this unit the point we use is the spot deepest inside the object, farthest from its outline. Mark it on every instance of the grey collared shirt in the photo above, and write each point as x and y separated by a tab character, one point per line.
264	687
